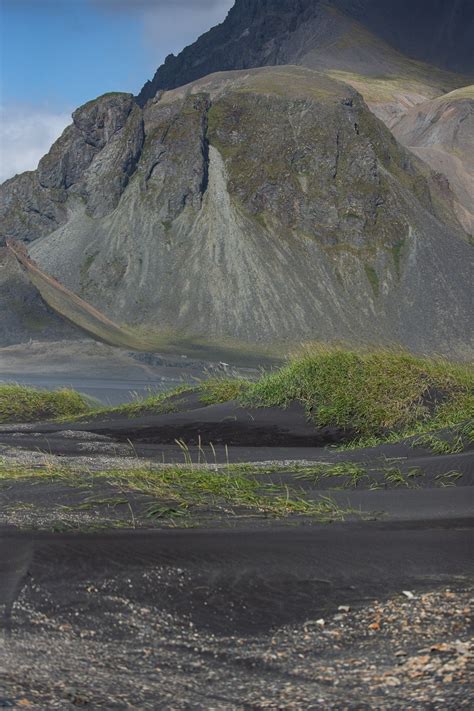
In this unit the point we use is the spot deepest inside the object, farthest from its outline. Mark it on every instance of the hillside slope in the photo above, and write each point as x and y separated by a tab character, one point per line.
257	207
266	206
23	313
376	47
441	132
63	302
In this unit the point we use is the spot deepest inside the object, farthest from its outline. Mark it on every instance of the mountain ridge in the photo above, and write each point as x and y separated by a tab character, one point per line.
266	206
258	32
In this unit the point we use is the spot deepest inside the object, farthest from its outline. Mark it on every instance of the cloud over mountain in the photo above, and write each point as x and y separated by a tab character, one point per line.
26	134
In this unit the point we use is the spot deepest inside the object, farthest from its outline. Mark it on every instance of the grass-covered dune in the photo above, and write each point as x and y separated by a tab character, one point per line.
373	394
19	403
370	395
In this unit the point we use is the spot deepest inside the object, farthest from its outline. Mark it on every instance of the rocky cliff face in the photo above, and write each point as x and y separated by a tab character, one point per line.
268	32
262	206
440	32
90	164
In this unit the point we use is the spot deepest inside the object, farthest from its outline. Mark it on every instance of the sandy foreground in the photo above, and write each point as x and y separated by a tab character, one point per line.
242	620
106	606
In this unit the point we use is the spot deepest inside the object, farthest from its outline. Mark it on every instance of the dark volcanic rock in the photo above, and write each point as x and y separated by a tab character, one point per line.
440	32
28	210
268	32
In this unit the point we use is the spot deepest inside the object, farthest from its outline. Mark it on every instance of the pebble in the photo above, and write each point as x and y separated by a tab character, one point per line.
344	608
420	657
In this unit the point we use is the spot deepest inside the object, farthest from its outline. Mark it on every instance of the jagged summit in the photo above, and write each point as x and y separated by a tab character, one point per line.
319	33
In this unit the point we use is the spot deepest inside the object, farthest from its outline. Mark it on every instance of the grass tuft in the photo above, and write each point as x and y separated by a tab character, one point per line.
156	403
371	394
218	390
182	491
19	403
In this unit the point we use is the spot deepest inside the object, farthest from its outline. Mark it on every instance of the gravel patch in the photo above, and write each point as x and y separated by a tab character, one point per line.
403	653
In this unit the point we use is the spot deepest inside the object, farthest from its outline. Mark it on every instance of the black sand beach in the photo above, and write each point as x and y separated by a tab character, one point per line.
352	616
223	607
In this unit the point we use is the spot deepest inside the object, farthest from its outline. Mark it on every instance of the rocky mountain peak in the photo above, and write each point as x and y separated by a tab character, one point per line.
264	32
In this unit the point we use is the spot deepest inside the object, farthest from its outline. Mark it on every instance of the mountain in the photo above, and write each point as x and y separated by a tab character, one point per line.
441	132
24	315
373	45
370	37
440	32
254	208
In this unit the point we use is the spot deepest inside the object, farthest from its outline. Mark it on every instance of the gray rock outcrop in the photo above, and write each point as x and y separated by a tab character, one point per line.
264	207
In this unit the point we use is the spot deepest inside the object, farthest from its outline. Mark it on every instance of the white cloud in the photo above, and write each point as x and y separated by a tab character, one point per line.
26	135
27	132
169	30
170	25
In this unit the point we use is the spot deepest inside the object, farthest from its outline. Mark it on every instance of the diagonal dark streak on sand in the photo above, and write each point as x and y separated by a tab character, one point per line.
15	563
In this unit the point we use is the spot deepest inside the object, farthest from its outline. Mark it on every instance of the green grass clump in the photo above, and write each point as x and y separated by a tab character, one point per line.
351	472
19	403
218	390
454	441
156	403
211	392
438	445
181	491
371	394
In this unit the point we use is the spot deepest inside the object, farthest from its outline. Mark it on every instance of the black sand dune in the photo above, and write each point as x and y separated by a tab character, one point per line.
228	423
222	433
268	575
167	604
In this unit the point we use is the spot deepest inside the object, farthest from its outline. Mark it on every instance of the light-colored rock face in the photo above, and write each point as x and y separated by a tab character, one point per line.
263	206
441	132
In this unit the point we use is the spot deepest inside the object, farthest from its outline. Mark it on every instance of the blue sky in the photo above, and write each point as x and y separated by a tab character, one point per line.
57	54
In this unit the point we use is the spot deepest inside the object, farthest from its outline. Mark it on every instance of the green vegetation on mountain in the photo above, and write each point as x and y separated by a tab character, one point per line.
261	206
